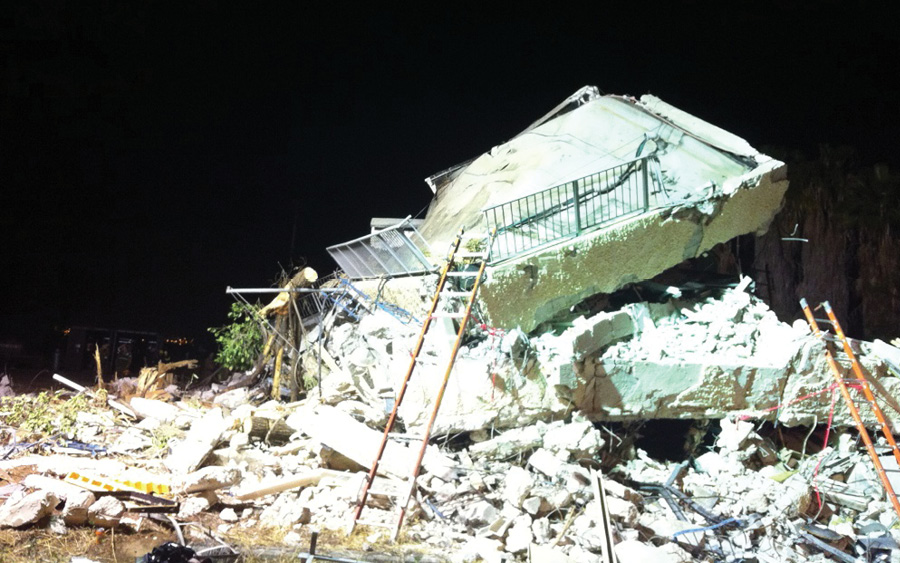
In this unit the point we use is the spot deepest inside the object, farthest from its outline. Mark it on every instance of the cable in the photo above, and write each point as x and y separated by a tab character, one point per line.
706	528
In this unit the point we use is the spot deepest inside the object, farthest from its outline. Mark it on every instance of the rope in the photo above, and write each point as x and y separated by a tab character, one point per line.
851	384
495	334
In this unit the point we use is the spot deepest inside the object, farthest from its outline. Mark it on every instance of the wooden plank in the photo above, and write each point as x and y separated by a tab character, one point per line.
304	480
607	539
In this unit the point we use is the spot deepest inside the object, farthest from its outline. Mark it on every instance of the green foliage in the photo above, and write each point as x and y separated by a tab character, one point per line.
45	413
241	341
475	245
310	381
160	437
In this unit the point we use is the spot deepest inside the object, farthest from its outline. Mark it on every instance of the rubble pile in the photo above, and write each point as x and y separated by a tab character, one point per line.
519	469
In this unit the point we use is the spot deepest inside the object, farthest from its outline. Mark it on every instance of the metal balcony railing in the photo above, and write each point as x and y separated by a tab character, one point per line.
570	209
395	251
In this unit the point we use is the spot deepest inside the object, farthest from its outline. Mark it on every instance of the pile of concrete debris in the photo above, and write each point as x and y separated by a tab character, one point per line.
532	459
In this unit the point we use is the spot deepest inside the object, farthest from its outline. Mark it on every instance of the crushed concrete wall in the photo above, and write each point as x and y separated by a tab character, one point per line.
718	357
524	293
714	358
722	357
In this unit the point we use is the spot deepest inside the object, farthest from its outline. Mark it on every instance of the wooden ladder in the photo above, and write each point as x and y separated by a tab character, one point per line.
443	295
870	398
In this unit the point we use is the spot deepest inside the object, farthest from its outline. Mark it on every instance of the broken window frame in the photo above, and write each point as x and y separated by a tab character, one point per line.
396	251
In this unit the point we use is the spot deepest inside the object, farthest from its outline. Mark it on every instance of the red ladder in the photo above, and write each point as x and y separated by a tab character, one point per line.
854	412
481	257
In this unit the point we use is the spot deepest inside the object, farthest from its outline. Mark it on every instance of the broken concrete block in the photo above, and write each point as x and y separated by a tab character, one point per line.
58	526
592	538
232	399
559	499
156	410
546	462
734	434
634	550
548	554
517	486
479	514
106	512
286	511
581	555
60	488
577	478
519	536
795	496
205	433
619	490
622	510
713	463
676	553
196	504
488	550
340	432
499	527
508	444
228	515
667	528
541	530
532	505
75	511
27	509
210	478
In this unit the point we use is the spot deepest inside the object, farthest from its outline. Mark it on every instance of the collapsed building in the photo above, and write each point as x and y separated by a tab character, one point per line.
600	194
598	234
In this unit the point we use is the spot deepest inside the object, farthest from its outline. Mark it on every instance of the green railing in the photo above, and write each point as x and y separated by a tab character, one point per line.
569	209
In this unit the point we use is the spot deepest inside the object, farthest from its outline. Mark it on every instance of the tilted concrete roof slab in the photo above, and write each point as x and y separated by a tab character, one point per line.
715	187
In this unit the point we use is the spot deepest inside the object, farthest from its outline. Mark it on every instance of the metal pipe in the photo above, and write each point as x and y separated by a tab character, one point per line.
230	290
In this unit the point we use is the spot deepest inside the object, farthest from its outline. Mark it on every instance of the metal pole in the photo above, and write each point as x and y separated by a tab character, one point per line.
646	181
229	290
577	208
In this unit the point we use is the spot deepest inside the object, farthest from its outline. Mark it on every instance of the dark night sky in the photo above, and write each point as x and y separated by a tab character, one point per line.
151	156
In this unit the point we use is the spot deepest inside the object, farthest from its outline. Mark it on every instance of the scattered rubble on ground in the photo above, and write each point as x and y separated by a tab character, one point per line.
499	487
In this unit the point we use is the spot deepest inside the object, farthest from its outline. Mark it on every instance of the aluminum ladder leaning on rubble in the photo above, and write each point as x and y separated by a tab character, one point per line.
870	398
442	292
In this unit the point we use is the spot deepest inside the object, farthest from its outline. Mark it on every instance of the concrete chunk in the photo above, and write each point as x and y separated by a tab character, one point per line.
27	509
340	432
75	512
106	512
545	462
517	486
508	444
201	439
634	550
210	478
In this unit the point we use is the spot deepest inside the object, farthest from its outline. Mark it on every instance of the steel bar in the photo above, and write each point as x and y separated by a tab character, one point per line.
229	290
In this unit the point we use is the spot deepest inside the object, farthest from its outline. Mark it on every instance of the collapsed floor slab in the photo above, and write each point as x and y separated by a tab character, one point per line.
534	289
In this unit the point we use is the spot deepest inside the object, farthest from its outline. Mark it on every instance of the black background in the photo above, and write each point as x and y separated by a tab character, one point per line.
151	155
